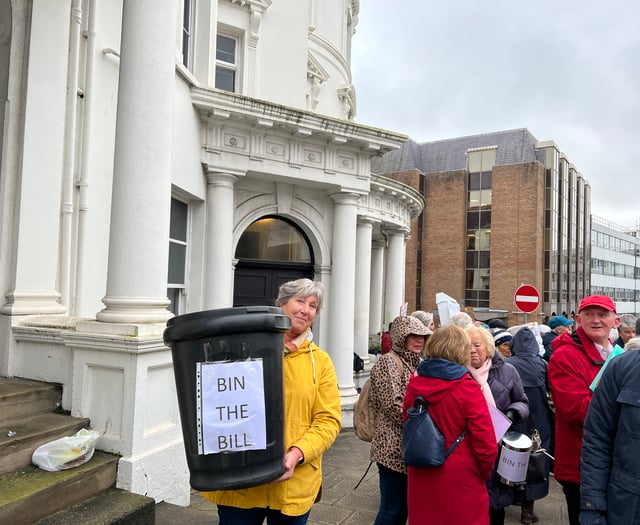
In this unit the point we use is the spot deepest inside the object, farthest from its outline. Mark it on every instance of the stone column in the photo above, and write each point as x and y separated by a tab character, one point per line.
141	204
394	290
377	288
342	300
218	271
363	287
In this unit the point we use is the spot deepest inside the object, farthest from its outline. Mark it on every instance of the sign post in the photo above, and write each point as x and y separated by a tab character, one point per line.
526	299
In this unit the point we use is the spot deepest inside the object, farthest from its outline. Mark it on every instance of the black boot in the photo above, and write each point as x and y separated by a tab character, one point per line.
527	516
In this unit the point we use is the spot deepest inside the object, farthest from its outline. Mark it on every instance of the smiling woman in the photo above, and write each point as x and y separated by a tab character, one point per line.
312	421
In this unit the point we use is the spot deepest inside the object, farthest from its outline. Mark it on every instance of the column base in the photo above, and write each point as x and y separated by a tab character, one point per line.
133	310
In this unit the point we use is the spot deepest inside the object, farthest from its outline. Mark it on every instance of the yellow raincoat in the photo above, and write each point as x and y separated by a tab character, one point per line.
312	421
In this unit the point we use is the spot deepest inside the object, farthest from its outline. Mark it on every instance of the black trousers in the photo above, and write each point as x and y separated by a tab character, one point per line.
572	495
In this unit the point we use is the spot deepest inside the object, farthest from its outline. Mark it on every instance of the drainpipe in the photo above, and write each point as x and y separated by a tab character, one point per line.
83	181
68	168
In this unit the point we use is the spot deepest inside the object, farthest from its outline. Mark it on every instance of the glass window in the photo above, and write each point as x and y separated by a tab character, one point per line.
225	79
473	220
226	62
178	251
226	49
187	33
485	219
485	198
472	259
485	181
474	181
273	239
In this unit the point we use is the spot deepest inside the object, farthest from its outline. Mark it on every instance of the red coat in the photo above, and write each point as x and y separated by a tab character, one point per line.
455	493
574	363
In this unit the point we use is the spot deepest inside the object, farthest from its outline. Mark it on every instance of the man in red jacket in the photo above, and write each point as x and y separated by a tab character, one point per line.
575	361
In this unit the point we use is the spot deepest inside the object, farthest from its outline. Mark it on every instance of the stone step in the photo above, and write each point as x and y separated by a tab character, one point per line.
30	494
18	439
23	398
110	507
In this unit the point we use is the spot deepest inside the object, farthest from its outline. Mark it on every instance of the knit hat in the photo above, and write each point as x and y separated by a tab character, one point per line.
496	322
559	320
501	336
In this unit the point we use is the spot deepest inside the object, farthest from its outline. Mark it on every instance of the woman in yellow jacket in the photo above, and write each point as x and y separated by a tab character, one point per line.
312	421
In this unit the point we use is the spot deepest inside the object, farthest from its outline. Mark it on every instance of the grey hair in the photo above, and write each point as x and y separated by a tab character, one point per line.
300	288
425	317
632	344
461	319
486	337
627	321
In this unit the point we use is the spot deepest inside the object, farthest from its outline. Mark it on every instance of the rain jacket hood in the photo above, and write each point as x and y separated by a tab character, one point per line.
448	372
531	367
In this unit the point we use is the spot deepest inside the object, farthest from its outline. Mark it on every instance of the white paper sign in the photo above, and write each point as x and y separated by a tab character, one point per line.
231	407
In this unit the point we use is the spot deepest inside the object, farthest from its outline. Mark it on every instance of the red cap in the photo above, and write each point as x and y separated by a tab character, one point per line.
598	300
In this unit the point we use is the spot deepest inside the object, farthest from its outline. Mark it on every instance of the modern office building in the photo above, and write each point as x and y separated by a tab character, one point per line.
615	263
166	157
502	209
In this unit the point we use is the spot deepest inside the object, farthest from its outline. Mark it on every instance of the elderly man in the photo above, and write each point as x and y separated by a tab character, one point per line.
610	465
626	329
559	324
574	363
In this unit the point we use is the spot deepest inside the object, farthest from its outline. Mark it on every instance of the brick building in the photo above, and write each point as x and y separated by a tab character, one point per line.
501	209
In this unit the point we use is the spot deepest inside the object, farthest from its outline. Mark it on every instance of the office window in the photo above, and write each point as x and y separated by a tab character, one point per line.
477	263
226	62
178	250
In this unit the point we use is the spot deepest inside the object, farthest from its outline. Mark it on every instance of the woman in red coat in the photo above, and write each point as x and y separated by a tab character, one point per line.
456	492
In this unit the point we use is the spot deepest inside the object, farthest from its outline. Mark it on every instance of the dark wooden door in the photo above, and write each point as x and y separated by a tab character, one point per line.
257	283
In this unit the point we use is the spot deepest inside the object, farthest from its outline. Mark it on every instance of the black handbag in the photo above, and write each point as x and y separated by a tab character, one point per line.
422	442
537	467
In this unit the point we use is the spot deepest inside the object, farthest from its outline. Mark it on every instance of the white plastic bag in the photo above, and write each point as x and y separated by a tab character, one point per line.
66	452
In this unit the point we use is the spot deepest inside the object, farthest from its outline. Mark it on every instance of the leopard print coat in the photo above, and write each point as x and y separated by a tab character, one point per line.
388	384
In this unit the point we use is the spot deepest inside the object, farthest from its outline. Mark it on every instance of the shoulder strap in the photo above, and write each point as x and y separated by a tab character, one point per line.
421	404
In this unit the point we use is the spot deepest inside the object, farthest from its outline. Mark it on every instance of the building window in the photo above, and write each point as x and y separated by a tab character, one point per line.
478	233
273	239
188	22
226	62
178	244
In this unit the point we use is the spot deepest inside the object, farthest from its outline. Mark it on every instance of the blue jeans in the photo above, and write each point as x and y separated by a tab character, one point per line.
393	497
256	516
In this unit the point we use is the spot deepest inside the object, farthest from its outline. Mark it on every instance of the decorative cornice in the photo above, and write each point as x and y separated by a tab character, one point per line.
231	107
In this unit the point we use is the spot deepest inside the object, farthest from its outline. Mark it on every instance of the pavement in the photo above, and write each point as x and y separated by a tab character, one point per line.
343	465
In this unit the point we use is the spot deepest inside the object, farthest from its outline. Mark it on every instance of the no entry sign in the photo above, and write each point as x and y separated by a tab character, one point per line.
526	298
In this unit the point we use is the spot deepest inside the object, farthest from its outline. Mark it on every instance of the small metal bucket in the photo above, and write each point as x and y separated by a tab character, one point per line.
514	458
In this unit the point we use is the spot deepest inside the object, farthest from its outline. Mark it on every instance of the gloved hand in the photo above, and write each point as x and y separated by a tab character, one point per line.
592	517
512	415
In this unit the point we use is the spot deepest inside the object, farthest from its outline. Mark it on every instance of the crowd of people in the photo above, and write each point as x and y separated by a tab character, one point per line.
542	377
556	384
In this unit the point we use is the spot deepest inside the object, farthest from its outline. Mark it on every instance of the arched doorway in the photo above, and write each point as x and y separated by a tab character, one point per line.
270	252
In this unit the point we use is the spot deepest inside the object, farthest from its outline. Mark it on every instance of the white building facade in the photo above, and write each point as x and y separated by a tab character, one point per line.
160	158
615	264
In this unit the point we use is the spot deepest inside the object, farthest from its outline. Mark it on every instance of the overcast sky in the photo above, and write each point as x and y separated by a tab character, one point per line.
567	70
